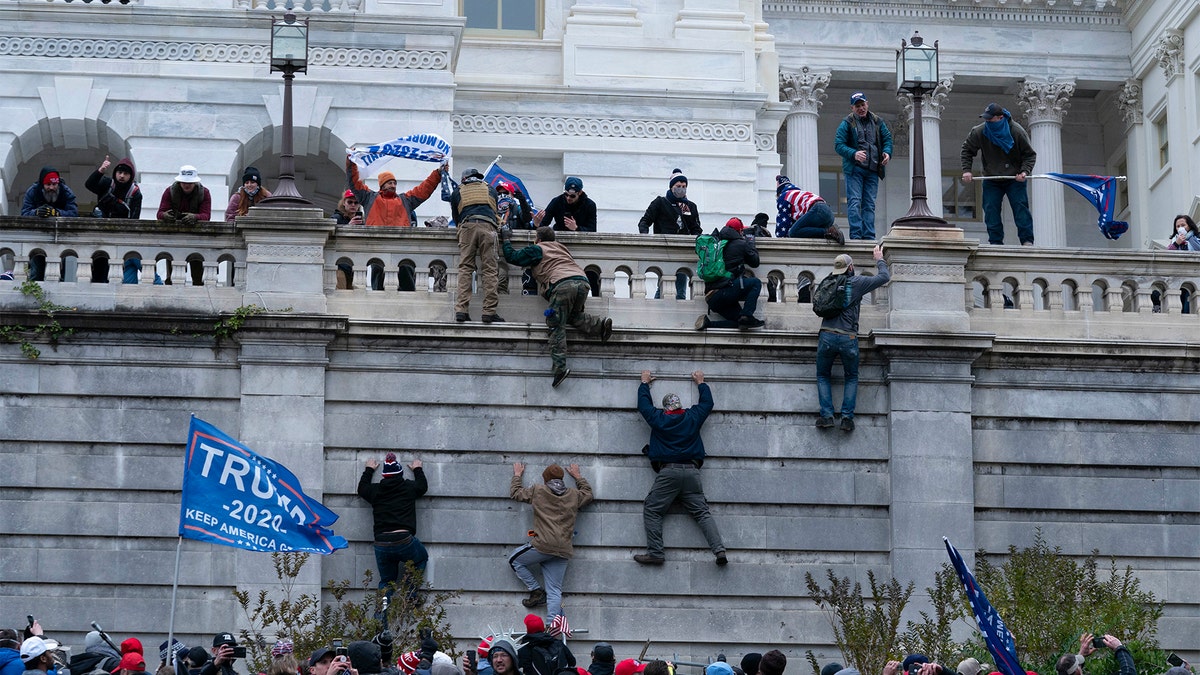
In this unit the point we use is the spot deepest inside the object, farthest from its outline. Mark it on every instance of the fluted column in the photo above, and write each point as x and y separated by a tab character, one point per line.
805	91
1129	102
931	130
1045	102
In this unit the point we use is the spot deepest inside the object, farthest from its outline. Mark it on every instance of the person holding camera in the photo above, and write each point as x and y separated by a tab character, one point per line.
1072	664
735	298
331	661
225	652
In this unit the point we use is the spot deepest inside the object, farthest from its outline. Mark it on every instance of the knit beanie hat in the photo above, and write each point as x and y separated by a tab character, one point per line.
911	658
180	649
772	663
390	466
553	471
408	662
385	176
761	218
572	183
365	656
251	173
485	645
750	663
534	624
677	177
832	668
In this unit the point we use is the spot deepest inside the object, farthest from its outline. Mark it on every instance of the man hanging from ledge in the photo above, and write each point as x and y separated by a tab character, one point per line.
561	281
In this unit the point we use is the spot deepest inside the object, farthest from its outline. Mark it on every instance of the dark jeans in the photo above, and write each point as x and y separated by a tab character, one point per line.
845	347
682	483
726	301
812	225
1018	200
392	552
681	284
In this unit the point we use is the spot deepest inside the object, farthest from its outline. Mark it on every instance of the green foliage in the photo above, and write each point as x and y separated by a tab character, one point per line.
310	623
932	635
866	633
49	328
228	326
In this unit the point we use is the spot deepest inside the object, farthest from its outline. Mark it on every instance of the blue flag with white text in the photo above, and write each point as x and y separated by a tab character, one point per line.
995	634
1101	191
235	497
495	174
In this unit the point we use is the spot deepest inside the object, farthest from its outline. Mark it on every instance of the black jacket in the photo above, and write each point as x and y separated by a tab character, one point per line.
666	218
739	254
543	655
583	211
393	500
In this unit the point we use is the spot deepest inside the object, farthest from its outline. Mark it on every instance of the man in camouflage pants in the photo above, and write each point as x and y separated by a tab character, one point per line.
561	281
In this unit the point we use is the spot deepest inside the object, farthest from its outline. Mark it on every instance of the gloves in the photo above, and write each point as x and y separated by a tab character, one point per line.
188	219
47	212
506	234
429	646
644	228
170	215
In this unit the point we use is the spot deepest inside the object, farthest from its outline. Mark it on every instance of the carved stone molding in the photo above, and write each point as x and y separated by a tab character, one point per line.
148	50
764	142
932	104
980	12
1045	100
929	272
605	128
1129	101
1169	53
283	253
803	88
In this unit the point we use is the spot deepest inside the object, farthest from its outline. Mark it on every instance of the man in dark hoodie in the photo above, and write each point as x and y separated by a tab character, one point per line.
97	655
725	296
120	196
540	652
502	656
49	197
603	659
393	503
573	210
676	454
10	653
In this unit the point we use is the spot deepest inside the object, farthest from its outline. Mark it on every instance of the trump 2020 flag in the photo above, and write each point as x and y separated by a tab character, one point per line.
421	147
235	497
495	174
995	634
1101	191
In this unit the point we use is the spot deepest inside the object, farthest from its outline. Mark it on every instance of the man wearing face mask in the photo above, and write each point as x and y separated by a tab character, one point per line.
673	213
1006	151
252	192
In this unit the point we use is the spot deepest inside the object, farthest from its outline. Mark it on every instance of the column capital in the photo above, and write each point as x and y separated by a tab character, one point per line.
803	88
1129	102
932	104
1169	53
1046	100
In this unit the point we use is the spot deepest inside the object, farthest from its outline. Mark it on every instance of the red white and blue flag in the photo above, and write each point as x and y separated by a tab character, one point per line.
1101	191
996	636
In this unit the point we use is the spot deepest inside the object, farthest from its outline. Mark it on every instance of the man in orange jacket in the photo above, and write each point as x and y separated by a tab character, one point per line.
389	207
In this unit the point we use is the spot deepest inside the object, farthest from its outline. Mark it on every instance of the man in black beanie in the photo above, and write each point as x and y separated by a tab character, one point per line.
772	663
603	659
393	503
750	663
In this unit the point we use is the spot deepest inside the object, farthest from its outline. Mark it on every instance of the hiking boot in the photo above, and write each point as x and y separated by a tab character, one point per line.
847	424
560	376
492	318
832	233
647	559
750	322
702	322
606	330
824	422
722	560
462	317
537	598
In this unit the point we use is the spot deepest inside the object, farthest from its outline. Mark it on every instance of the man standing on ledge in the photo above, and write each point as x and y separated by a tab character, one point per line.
1006	151
473	207
676	454
839	338
865	144
393	503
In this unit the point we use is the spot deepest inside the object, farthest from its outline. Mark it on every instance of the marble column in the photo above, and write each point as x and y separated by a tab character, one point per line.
1045	102
1129	102
931	130
805	91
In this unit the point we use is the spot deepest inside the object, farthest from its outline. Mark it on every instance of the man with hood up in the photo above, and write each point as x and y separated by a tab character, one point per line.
49	197
120	196
725	297
10	653
97	655
555	507
393	503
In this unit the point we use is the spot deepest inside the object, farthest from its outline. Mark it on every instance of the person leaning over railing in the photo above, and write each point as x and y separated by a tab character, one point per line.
249	194
1185	236
119	197
185	202
49	197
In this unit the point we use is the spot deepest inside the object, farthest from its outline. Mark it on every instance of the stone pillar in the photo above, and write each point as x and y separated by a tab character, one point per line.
1129	102
285	257
931	130
927	351
1045	102
805	91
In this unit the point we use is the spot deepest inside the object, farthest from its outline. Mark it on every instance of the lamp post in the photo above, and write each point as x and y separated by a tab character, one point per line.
289	55
917	73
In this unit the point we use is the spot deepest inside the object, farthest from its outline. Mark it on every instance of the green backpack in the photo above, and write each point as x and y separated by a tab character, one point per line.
711	253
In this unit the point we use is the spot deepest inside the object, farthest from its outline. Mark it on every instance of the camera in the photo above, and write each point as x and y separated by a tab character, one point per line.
338	649
1098	641
1174	659
239	652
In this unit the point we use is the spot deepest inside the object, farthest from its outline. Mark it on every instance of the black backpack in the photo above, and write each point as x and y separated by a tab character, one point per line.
832	296
547	659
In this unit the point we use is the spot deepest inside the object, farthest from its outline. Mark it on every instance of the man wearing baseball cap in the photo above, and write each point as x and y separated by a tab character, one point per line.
572	210
37	654
1005	150
473	207
223	659
865	144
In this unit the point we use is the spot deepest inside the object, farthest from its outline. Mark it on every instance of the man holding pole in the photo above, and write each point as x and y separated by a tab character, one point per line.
1008	158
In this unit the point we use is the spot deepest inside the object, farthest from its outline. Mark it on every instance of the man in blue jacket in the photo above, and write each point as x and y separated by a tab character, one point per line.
865	144
676	454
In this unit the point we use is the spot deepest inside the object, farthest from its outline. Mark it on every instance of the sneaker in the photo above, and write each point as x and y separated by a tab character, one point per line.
537	598
722	560
492	318
1027	243
847	423
832	233
647	559
750	322
702	322
606	330
824	422
462	317
560	376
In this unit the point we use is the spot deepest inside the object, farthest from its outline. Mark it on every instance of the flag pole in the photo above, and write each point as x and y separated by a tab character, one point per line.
494	161
174	592
1033	175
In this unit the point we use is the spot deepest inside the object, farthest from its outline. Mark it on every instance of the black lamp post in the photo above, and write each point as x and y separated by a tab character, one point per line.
289	55
917	73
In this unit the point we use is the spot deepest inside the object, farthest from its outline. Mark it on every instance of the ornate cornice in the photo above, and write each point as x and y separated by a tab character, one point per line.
1045	100
605	128
1169	53
1129	101
149	50
764	142
803	88
984	12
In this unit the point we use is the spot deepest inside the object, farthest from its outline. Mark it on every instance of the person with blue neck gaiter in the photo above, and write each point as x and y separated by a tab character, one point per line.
1005	150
